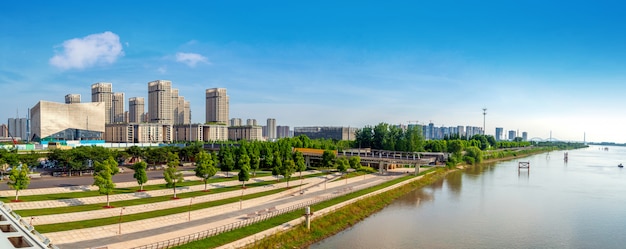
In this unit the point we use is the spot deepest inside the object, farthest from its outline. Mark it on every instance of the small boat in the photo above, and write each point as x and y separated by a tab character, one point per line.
620	165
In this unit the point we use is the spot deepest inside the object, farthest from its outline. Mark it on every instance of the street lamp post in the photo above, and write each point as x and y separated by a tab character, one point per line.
119	227
189	209
484	117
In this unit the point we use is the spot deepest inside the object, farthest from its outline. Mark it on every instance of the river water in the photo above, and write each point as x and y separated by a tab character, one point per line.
580	203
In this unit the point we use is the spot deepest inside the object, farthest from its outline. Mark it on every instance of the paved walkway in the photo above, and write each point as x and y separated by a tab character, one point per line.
123	197
113	212
137	233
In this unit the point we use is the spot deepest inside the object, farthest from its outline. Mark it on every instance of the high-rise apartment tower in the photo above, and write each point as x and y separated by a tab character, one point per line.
135	109
72	99
117	107
160	108
217	105
271	128
102	92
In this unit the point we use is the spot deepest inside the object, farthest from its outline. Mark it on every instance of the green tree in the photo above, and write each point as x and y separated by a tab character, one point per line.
18	179
328	158
172	177
287	170
244	169
300	162
205	167
140	173
255	161
342	166
355	162
103	176
277	164
227	160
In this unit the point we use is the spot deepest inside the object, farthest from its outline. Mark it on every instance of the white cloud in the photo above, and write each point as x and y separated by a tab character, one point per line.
103	48
191	59
162	70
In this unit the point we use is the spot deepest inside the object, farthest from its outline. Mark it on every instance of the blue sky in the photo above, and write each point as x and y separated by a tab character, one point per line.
537	66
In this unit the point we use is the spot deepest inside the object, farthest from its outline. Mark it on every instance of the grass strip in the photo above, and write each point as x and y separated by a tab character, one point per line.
274	241
142	201
49	228
84	194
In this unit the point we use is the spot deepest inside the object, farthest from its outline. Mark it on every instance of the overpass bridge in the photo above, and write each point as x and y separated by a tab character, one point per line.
381	159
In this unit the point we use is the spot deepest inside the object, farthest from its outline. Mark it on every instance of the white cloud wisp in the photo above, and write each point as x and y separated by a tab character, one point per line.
191	59
80	53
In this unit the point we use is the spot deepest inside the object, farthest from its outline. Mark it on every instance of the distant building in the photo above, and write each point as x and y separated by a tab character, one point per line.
138	133
524	136
217	106
58	121
251	121
103	92
135	109
117	107
72	99
271	128
235	122
4	130
201	132
512	135
160	108
18	128
499	133
336	133
282	131
248	132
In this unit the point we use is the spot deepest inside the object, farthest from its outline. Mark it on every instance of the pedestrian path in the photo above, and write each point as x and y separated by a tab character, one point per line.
128	196
112	212
184	222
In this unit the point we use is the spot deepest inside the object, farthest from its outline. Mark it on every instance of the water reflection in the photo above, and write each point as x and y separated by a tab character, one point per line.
454	181
415	198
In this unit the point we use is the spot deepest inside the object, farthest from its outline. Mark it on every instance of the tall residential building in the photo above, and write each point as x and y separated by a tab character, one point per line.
103	92
72	98
160	108
235	122
282	131
217	106
18	128
176	108
182	111
524	136
512	135
135	109
499	133
117	107
251	122
4	130
271	128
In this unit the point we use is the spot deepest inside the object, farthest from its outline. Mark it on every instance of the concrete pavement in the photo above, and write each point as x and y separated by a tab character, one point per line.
143	232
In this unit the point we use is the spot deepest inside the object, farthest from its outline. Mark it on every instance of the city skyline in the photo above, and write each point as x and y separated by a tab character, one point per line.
538	67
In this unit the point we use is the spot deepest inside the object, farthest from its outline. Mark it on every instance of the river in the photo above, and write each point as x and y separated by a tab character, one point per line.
580	203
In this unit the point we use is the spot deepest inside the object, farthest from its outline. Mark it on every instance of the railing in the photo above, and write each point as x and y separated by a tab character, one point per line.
239	224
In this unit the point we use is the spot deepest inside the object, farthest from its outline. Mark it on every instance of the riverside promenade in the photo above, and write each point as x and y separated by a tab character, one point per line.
147	231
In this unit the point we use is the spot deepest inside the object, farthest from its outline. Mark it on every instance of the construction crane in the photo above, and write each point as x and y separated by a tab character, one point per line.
413	121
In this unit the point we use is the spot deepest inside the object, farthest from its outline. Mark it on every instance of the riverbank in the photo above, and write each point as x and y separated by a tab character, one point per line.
348	215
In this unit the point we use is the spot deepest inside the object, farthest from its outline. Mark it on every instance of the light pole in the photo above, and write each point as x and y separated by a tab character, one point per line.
119	227
189	210
484	117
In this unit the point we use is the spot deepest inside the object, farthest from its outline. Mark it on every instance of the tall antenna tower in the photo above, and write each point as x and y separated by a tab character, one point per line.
484	117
